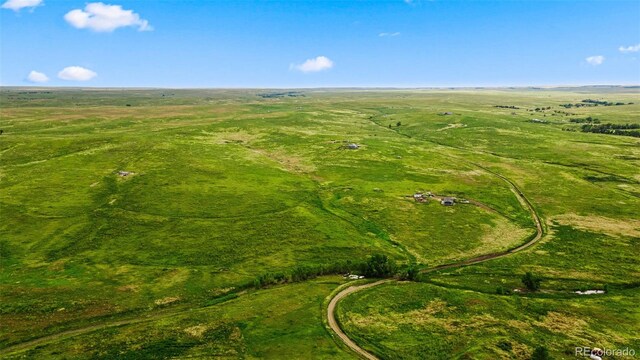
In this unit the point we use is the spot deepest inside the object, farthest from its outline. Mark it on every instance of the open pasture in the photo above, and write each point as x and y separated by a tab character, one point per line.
126	203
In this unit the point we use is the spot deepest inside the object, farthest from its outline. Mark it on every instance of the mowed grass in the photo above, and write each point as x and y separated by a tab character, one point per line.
228	185
423	321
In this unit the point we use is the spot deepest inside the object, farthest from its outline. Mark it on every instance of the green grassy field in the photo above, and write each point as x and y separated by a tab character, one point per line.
280	322
228	185
414	320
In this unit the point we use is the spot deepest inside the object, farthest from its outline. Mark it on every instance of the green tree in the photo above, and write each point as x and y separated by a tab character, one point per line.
532	282
380	266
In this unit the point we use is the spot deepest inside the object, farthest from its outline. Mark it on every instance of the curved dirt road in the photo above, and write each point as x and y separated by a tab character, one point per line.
534	215
333	324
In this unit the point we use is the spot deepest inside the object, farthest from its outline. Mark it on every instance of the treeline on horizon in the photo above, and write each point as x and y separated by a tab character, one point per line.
591	102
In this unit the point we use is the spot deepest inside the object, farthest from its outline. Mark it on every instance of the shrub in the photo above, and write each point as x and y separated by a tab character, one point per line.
412	274
504	345
501	290
532	282
540	353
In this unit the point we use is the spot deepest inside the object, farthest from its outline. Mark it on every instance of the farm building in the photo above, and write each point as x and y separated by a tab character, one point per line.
447	201
420	197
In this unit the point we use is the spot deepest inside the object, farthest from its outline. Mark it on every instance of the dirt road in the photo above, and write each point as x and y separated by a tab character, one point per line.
333	324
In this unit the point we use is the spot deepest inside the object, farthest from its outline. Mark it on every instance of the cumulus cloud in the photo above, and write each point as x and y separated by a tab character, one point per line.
76	73
16	5
629	49
314	65
37	77
595	60
105	18
385	34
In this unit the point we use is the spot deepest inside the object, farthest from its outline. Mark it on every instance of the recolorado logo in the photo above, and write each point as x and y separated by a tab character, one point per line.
597	353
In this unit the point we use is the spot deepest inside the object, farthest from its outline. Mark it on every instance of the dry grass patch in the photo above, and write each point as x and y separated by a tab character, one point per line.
434	307
287	161
520	351
236	334
562	323
57	265
167	300
502	235
196	331
374	321
601	224
129	288
452	126
226	137
427	314
519	325
218	292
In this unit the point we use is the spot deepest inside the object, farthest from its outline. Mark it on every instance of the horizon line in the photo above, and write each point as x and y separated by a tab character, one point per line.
325	87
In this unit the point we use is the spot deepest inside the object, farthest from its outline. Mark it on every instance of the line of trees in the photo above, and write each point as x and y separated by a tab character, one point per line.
613	129
303	272
591	102
376	266
585	120
602	102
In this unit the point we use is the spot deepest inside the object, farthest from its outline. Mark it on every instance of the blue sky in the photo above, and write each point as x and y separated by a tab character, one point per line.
399	43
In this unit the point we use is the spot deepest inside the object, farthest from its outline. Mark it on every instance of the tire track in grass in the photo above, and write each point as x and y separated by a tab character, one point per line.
15	348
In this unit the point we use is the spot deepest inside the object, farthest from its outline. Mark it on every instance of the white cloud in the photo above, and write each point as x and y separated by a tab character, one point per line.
384	34
16	5
76	73
629	49
105	18
37	77
595	60
314	65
